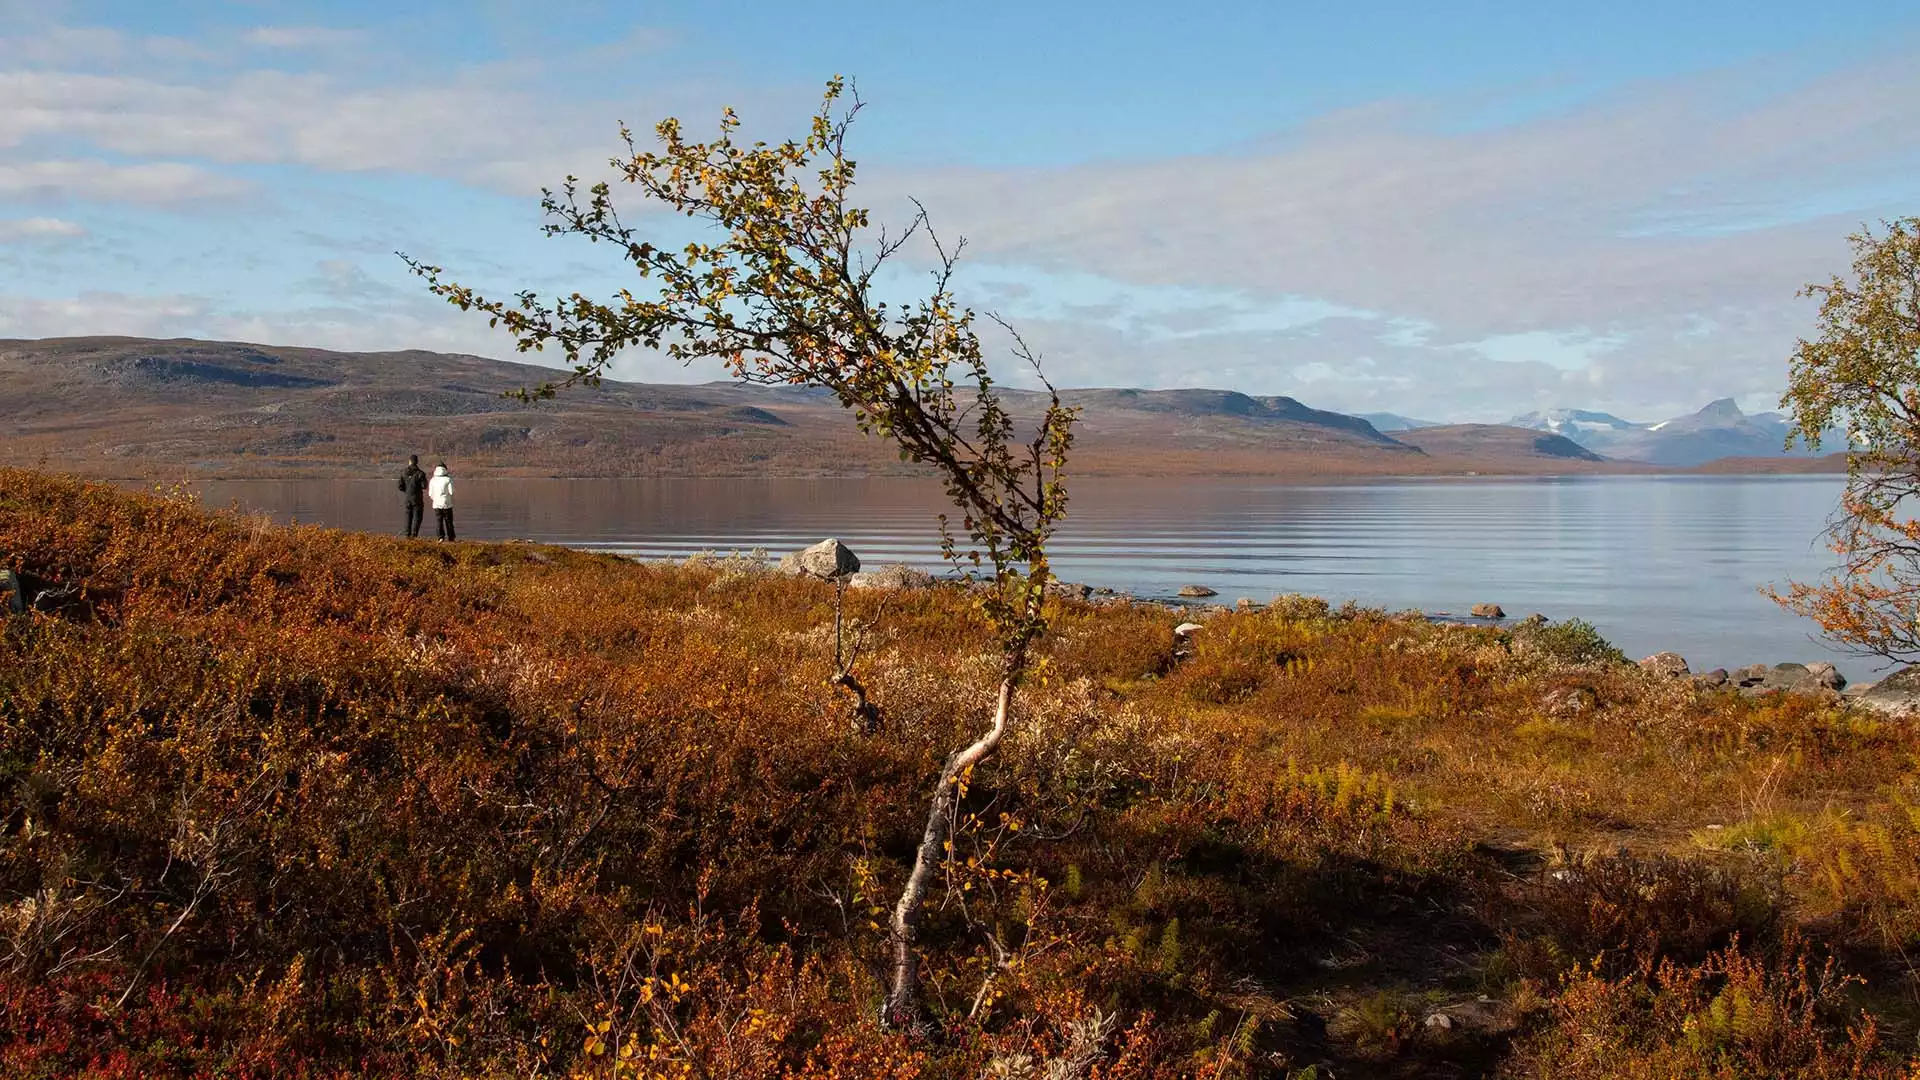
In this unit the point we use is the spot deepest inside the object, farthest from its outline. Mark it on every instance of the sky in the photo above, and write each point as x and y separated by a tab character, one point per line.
1454	211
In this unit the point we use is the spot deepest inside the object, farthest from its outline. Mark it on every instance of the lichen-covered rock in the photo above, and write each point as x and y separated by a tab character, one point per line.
1197	590
897	576
1668	664
828	559
1488	611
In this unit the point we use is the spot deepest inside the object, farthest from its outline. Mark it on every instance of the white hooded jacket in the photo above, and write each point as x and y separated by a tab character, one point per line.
440	489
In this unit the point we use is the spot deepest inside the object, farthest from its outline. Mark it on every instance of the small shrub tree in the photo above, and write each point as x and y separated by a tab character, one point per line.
785	295
1862	373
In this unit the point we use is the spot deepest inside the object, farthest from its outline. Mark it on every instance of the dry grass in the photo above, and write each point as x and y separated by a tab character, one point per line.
298	802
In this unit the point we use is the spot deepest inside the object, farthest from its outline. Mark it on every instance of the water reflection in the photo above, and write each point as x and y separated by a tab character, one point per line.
1655	562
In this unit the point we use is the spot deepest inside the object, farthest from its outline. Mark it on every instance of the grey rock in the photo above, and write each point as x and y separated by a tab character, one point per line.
1669	665
1569	701
1784	675
1716	677
897	576
1488	611
1440	1022
1197	590
1896	695
1245	603
1187	628
13	595
1827	675
828	559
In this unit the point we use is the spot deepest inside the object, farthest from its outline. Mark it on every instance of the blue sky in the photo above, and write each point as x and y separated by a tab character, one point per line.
1454	211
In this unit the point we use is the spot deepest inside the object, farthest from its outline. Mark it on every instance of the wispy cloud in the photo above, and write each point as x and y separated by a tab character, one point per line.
1597	239
39	228
164	182
302	37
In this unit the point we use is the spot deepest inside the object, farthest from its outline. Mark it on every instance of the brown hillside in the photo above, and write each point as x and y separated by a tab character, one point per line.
140	408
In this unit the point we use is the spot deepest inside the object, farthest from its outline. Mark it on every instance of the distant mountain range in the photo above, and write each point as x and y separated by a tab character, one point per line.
1391	422
136	407
1719	430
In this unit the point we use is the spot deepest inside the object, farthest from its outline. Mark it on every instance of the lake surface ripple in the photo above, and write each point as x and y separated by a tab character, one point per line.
1672	562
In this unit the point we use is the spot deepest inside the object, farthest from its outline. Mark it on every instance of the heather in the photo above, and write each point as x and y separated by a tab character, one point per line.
296	802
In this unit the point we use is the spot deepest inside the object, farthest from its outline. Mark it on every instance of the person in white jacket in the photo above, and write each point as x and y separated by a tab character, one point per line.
440	494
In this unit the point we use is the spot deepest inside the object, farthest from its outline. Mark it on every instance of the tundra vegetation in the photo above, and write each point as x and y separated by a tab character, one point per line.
284	801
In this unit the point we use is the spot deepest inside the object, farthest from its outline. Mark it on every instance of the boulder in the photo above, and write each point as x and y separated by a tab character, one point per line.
1827	675
1716	677
1488	611
1896	695
828	559
1785	675
1820	679
897	576
1182	631
1069	589
1669	665
1245	603
1569	701
13	595
1197	590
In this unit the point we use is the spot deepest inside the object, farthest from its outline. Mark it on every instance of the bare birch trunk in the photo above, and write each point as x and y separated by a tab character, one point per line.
903	999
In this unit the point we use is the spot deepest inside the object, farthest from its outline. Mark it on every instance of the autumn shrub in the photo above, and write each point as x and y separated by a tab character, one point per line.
1617	912
296	802
1735	1014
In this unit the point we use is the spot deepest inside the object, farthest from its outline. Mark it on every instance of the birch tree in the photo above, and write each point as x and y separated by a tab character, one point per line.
784	292
1862	375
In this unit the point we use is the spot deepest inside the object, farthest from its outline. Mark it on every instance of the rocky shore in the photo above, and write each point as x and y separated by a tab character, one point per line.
1897	695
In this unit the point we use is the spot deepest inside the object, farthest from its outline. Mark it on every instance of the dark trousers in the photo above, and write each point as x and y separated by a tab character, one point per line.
444	518
416	512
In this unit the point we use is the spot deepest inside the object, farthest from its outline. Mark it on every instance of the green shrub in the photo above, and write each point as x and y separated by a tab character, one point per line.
1572	641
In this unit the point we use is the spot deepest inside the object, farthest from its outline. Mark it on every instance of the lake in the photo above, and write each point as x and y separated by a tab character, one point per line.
1671	562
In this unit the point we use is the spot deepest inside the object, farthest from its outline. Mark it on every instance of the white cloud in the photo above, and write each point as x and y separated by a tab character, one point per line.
39	228
97	313
301	37
1598	241
163	182
469	126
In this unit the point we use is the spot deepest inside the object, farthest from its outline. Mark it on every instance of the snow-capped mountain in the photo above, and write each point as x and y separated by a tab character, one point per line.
1716	431
1573	423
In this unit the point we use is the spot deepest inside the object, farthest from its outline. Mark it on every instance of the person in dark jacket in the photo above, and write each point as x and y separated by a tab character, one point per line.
413	491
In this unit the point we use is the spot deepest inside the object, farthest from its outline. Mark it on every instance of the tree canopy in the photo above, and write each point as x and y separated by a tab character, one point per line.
1861	374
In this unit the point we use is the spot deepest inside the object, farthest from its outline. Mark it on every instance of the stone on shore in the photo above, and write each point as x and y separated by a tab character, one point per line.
897	576
1667	664
1819	679
1897	695
1070	589
828	559
1187	628
1197	590
1714	678
1487	611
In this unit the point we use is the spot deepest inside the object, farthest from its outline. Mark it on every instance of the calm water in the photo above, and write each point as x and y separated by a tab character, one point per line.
1657	563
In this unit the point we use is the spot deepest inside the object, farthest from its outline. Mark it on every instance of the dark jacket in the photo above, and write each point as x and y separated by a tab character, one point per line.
413	484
